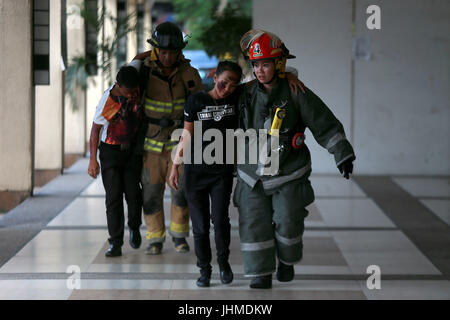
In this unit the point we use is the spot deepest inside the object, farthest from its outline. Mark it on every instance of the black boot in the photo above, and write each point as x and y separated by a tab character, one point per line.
114	251
205	277
285	273
264	282
226	274
135	239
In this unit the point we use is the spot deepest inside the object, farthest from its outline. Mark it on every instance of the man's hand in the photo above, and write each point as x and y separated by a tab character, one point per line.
94	168
173	179
142	56
295	83
346	168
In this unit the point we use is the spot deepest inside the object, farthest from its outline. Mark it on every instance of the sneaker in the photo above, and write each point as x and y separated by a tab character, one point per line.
180	244
154	248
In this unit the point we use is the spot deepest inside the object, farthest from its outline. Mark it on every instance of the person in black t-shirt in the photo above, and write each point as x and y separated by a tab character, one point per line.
216	109
209	171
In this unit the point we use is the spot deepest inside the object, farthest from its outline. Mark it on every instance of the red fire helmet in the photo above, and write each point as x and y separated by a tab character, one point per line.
265	47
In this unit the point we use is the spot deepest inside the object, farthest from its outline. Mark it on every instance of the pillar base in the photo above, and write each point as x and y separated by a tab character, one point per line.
71	158
41	176
11	199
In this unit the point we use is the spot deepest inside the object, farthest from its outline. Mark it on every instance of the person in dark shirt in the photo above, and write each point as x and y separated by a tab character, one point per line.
116	122
216	109
209	165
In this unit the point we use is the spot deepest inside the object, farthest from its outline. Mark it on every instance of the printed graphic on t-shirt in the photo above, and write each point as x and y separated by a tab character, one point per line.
215	113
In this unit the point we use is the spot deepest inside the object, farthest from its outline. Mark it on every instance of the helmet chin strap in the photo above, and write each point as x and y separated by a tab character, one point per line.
155	54
273	78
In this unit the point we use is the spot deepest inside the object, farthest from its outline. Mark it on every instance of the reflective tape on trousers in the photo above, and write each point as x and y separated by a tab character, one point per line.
179	228
288	241
157	234
256	246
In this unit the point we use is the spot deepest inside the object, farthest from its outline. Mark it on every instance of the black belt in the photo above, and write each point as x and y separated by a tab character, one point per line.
164	122
121	147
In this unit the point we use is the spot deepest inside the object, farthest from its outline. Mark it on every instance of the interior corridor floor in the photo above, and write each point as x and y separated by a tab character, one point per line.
400	225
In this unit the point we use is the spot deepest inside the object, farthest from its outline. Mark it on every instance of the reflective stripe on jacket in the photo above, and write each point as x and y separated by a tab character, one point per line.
302	110
165	98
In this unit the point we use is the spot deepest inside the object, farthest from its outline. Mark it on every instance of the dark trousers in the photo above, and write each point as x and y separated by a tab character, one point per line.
199	188
121	171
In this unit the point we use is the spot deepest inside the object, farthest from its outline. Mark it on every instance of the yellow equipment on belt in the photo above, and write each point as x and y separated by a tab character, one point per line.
280	113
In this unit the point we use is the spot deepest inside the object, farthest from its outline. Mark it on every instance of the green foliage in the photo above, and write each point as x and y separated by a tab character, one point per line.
76	77
197	15
216	34
222	37
76	74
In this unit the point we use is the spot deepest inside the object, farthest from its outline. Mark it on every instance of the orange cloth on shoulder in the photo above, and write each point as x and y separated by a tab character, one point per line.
111	108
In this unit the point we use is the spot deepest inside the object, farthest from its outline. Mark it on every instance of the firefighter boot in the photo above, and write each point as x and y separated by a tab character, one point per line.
264	282
285	273
180	244
154	248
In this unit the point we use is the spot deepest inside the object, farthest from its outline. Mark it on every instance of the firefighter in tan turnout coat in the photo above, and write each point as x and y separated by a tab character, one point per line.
168	80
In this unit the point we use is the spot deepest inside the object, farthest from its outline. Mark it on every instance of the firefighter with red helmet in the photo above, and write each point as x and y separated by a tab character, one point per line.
273	192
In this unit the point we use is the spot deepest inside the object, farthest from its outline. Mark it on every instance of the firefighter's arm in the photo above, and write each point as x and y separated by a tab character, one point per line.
94	168
185	141
327	130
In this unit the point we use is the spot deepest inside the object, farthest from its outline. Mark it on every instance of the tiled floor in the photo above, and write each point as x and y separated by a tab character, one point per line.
346	232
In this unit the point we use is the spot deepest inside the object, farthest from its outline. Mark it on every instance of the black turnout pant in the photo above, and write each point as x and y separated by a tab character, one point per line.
121	171
200	187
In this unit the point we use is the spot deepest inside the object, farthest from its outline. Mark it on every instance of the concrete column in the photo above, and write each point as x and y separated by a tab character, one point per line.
95	87
99	83
75	122
132	36
16	104
109	33
48	136
147	23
